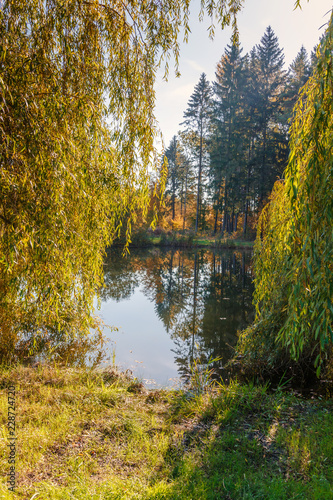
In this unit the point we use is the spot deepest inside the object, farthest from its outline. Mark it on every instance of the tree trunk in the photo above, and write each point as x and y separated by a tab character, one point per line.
225	214
263	165
236	222
247	189
199	179
215	219
245	217
231	227
185	196
173	207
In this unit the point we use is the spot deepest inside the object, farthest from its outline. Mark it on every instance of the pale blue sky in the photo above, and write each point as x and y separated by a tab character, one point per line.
292	27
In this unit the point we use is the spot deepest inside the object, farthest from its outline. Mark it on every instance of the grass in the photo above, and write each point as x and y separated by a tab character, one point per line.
223	242
85	434
179	240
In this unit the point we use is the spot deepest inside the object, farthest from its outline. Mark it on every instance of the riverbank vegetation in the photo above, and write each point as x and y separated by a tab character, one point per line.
234	142
294	248
101	435
142	237
76	166
76	172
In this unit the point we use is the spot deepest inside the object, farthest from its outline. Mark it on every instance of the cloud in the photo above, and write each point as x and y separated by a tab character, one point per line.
194	65
183	90
174	90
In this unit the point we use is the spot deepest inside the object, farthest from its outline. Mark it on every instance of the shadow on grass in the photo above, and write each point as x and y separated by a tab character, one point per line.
248	444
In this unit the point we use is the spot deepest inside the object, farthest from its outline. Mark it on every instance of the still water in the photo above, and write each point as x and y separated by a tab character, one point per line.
174	306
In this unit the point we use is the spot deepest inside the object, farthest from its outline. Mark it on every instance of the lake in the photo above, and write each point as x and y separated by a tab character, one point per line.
174	306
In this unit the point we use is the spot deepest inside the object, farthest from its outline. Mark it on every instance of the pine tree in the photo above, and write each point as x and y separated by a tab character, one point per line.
228	145
268	83
186	161
197	119
298	74
172	184
294	247
299	70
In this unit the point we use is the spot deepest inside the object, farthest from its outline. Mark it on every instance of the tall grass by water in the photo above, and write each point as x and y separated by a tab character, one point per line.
88	434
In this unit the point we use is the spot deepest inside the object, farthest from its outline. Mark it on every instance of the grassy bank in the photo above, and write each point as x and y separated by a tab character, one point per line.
178	240
100	435
141	237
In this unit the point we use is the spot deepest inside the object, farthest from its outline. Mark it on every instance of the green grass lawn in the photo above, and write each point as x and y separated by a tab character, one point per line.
173	240
101	435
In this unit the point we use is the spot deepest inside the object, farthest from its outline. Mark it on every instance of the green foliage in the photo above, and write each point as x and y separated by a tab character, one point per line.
266	96
294	247
173	179
77	136
238	145
229	141
201	378
197	119
299	71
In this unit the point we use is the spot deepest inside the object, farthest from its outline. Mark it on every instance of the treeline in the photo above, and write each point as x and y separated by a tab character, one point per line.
293	258
234	145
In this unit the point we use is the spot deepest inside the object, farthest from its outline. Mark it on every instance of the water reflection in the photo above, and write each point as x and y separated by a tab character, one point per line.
174	306
202	298
54	347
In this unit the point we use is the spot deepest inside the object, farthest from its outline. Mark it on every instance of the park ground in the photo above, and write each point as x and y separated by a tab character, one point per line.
100	434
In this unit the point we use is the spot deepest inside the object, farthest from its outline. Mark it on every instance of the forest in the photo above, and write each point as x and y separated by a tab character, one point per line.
235	140
78	170
80	174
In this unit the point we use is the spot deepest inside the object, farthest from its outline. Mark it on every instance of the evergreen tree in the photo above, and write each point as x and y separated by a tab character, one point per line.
294	247
172	184
197	119
251	133
298	74
228	146
268	83
186	161
299	71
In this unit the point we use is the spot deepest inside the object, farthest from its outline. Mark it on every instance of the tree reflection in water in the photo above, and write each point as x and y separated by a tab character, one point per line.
202	297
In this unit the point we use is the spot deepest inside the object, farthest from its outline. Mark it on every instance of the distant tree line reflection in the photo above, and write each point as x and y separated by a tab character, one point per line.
203	297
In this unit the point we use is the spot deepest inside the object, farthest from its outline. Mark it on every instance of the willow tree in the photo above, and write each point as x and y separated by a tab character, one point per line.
77	135
294	247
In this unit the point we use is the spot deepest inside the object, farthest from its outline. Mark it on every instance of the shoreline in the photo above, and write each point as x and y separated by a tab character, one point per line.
200	243
101	434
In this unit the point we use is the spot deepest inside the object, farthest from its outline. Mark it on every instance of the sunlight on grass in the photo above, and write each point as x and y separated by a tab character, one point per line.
101	435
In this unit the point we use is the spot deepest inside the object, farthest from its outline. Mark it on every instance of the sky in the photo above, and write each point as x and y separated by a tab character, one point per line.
293	28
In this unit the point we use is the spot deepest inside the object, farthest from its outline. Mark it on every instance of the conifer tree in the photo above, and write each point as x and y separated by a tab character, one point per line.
298	74
76	145
172	184
269	80
197	119
228	145
299	70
